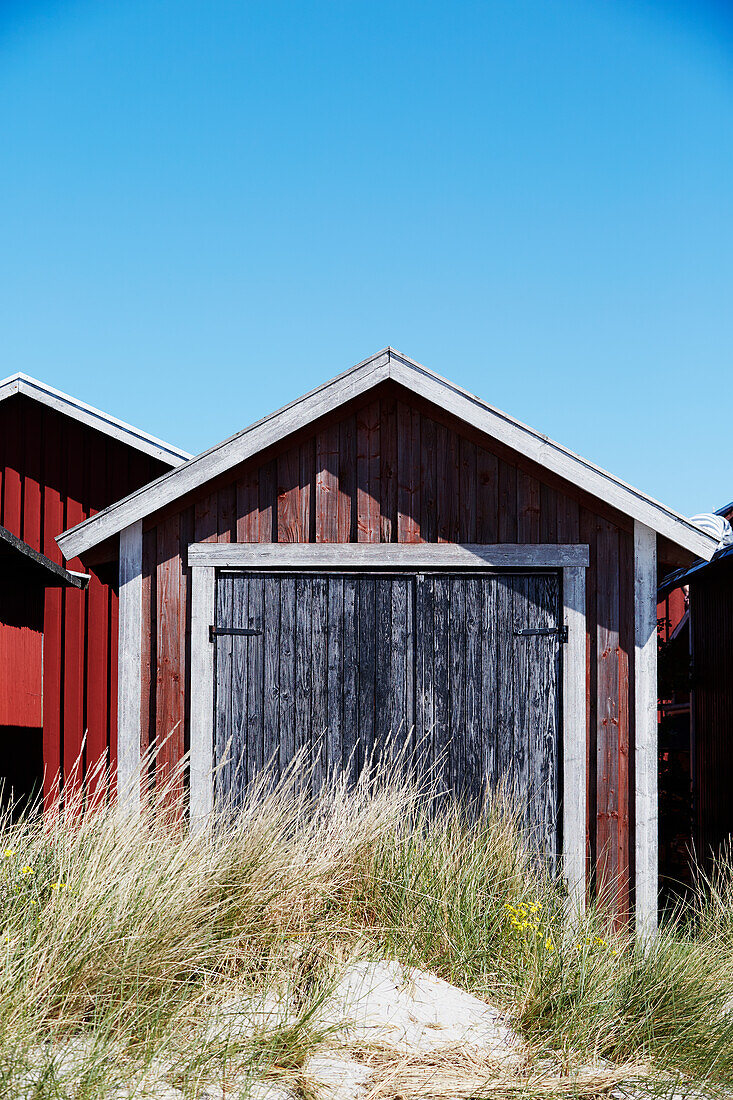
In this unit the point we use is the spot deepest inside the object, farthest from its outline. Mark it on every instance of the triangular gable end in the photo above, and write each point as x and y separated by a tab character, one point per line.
359	380
92	418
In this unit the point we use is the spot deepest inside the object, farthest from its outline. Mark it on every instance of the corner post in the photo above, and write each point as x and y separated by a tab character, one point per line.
645	694
128	670
574	737
201	788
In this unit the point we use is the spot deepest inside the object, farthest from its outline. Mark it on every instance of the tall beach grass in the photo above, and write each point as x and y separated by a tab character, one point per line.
120	941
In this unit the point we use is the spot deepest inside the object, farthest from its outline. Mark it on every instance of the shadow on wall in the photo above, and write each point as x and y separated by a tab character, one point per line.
21	766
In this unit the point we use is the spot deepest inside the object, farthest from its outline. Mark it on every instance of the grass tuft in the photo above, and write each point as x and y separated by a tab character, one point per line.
131	951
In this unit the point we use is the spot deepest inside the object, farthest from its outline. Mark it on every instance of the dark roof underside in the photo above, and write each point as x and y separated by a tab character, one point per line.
17	557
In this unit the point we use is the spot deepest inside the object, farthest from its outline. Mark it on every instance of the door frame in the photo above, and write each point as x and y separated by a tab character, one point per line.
205	558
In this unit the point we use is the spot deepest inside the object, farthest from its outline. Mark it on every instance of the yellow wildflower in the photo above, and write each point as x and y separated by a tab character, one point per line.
26	870
9	853
549	945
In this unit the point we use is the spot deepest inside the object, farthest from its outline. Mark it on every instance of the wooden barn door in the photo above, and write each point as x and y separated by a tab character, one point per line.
458	671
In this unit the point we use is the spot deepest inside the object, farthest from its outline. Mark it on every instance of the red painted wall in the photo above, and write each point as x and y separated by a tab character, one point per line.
54	472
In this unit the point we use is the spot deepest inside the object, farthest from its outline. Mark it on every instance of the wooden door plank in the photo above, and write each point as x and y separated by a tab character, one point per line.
473	767
319	689
383	710
226	747
255	677
350	661
335	672
287	672
271	689
304	670
239	725
457	672
368	644
398	703
424	631
505	645
524	655
441	672
491	673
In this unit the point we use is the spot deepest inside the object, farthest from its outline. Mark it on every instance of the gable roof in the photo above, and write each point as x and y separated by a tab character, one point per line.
93	418
35	566
386	364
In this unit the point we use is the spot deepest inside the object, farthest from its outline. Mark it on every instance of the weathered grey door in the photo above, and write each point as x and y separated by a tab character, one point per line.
464	667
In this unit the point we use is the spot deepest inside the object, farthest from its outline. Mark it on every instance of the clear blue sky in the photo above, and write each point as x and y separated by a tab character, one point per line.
208	207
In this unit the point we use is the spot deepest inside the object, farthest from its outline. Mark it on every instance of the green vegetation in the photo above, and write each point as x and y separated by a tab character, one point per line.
119	940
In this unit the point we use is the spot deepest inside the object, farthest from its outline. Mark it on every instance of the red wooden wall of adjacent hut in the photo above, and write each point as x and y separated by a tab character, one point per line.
395	469
54	472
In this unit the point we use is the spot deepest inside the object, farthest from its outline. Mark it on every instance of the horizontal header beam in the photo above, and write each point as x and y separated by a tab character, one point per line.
425	555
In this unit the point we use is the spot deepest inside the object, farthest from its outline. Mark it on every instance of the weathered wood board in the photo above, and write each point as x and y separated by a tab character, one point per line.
358	665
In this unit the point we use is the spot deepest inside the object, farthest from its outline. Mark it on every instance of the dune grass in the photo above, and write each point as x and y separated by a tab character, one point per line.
120	941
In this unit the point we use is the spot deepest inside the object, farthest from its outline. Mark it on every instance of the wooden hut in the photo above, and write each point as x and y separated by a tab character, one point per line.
60	462
390	553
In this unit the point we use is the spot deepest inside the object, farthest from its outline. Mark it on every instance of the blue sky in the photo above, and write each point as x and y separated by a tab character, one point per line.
208	207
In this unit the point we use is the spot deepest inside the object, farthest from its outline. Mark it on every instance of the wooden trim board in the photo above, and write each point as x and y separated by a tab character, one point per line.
387	364
129	684
645	757
203	611
203	580
574	736
304	555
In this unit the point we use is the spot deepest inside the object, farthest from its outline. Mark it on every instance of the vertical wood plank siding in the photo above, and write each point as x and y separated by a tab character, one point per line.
55	472
395	469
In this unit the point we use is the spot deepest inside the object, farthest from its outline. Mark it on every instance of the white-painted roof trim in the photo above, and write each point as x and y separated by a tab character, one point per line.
386	364
93	418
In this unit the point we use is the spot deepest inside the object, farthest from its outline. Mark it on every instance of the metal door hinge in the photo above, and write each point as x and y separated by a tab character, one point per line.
560	632
220	631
